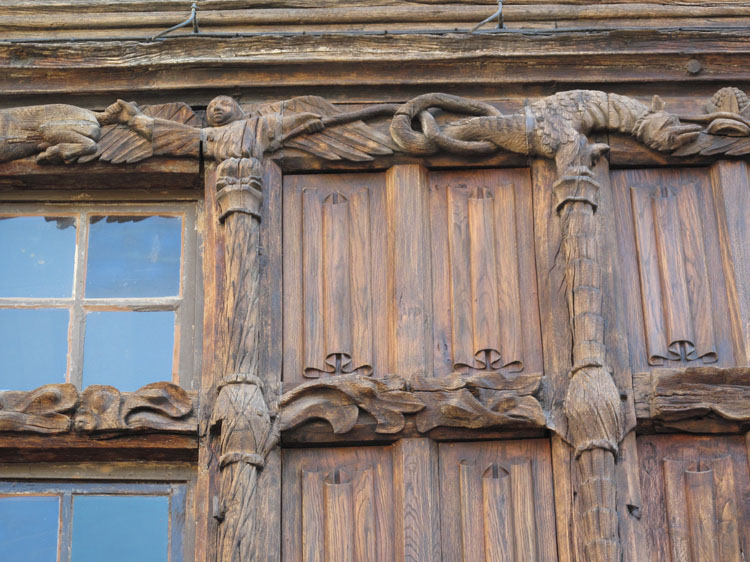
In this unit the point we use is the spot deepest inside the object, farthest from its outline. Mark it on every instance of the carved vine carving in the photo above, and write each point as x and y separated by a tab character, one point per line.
60	408
478	400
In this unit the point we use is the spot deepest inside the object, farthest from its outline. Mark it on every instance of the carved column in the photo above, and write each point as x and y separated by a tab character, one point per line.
592	403
241	420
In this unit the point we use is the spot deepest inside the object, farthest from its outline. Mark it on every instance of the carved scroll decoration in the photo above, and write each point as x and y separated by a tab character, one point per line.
336	279
60	408
674	276
701	509
480	400
485	301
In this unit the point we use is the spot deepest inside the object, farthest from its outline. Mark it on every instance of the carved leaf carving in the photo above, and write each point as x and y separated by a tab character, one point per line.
47	409
337	399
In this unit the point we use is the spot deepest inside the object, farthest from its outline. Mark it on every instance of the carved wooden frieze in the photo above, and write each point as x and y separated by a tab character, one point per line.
479	400
60	408
674	276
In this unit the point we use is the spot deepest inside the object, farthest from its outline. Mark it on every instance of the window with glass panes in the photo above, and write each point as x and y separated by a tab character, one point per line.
97	294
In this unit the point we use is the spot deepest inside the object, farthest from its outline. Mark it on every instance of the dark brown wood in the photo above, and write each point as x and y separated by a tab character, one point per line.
71	447
416	501
695	399
60	408
328	331
340	498
246	435
496	501
631	56
479	400
695	485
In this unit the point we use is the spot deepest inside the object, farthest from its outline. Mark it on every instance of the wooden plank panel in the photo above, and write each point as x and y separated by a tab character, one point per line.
509	514
358	516
409	289
416	501
696	487
334	294
731	189
339	518
670	247
467	243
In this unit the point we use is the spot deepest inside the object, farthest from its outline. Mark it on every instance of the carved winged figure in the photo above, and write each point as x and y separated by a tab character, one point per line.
134	134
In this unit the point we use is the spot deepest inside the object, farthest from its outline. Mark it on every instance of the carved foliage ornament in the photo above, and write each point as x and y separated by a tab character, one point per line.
60	408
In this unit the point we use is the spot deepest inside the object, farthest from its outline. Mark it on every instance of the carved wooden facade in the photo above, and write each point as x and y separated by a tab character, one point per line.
437	327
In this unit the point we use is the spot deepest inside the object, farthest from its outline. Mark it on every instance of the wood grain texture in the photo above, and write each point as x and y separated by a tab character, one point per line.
731	189
479	400
338	504
60	408
499	59
698	281
245	435
696	399
416	501
466	330
694	485
495	501
409	288
335	290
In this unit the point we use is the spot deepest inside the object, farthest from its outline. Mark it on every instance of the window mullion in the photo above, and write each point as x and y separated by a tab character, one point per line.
78	315
64	545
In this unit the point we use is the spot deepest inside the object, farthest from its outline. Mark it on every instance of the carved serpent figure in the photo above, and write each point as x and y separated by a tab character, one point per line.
551	127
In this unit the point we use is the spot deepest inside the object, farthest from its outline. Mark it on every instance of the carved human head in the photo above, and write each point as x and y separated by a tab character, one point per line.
222	110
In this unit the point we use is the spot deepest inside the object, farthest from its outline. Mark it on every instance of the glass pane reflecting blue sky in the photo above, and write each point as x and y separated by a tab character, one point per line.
120	528
28	528
37	256
33	347
128	349
134	257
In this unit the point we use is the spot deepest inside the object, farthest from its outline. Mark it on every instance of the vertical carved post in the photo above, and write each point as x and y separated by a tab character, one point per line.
241	418
592	402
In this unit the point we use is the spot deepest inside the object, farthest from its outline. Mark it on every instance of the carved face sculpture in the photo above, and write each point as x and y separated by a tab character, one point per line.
223	110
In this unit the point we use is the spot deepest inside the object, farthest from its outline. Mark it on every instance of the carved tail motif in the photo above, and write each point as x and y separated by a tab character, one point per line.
592	403
247	432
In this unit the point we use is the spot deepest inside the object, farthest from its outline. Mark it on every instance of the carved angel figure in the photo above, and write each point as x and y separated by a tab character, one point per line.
56	132
134	134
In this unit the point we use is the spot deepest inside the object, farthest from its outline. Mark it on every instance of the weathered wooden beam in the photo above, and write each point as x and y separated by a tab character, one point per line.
696	399
504	60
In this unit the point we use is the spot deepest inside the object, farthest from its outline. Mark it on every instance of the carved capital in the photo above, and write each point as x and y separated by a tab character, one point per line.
239	183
